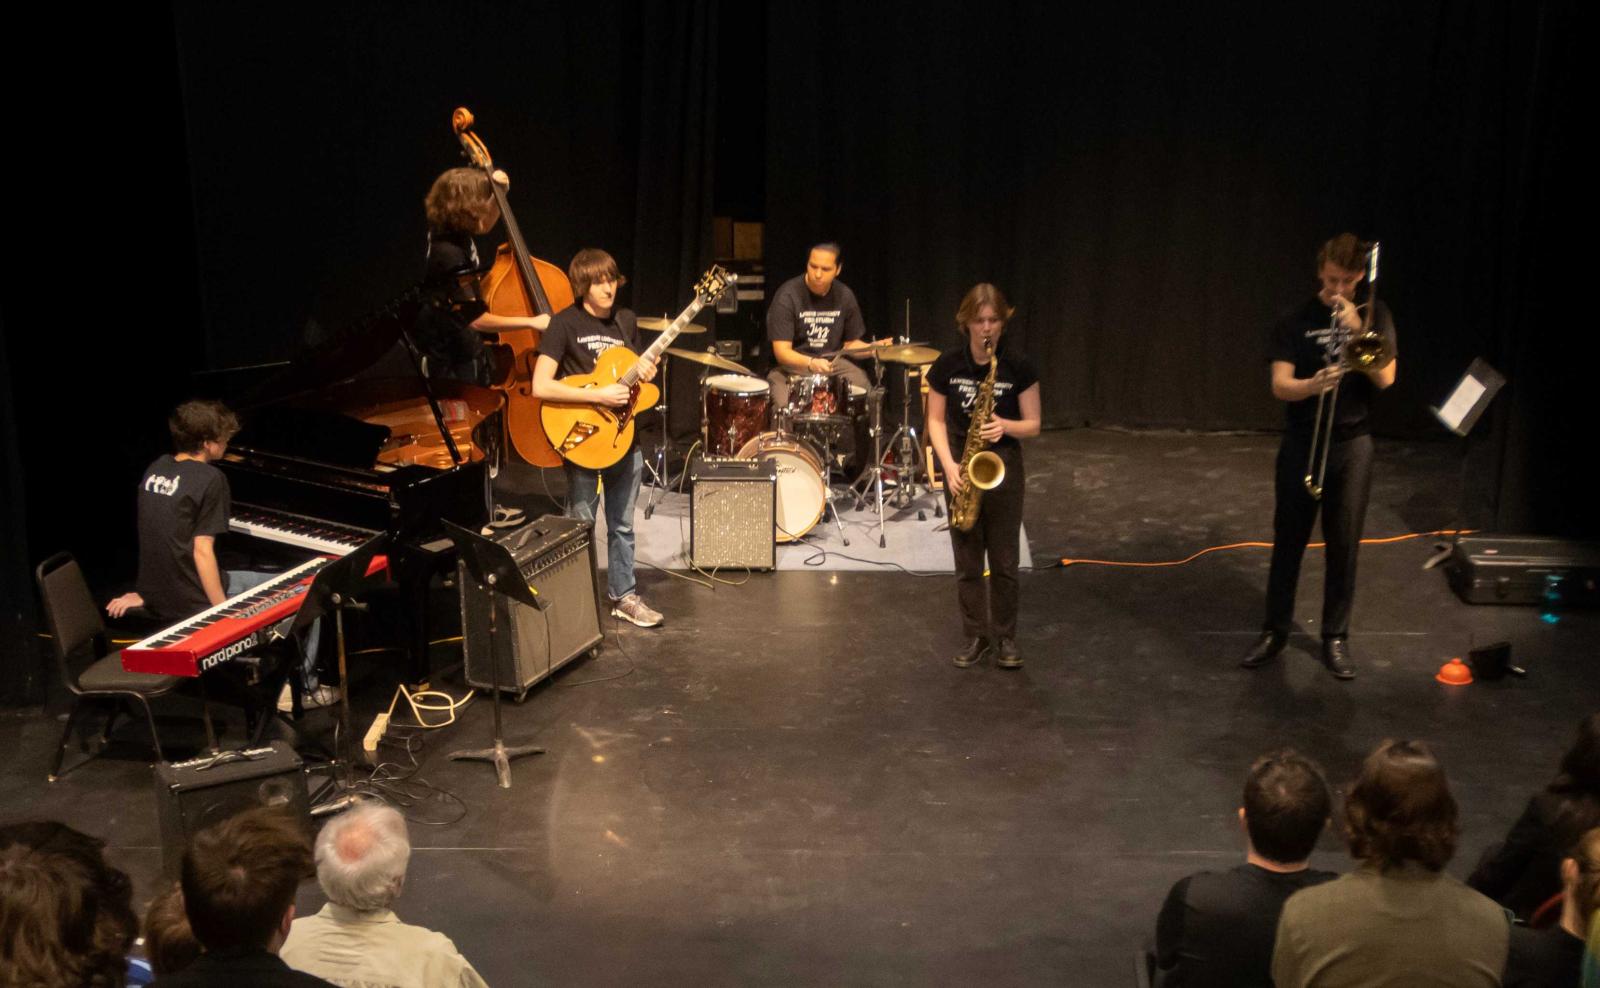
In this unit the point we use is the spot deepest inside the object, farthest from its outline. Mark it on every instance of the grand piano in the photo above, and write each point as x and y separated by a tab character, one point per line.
332	452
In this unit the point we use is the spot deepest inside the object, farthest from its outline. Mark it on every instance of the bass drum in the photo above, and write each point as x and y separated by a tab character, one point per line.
801	493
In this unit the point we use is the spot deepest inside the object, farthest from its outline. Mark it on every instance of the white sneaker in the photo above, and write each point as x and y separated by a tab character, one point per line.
322	696
633	608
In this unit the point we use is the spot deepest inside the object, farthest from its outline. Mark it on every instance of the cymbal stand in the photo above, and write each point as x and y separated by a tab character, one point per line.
906	448
828	505
872	476
657	463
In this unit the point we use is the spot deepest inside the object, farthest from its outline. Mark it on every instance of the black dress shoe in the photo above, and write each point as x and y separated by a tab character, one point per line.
1006	656
1264	650
972	654
1336	656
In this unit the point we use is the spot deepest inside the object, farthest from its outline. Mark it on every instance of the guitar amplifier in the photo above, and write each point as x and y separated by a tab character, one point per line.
556	555
202	792
1525	569
733	513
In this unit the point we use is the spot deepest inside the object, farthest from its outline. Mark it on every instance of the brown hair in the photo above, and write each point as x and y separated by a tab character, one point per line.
1400	809
1345	251
1286	805
589	266
977	297
195	423
240	876
66	916
457	199
169	943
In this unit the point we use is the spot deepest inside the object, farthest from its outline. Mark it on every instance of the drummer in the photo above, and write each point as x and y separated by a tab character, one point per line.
810	315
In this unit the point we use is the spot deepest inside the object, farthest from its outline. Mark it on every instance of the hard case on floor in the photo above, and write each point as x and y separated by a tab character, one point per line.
1525	569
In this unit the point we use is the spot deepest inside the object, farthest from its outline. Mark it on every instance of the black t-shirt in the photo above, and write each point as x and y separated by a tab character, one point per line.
444	330
1302	337
1548	958
814	324
178	500
958	377
1218	927
575	338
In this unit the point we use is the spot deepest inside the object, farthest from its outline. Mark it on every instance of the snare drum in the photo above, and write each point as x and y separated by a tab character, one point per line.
801	493
734	410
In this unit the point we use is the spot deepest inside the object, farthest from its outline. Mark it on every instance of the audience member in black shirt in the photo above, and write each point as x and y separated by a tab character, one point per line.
1304	346
988	602
1217	928
1522	872
239	882
1553	957
449	330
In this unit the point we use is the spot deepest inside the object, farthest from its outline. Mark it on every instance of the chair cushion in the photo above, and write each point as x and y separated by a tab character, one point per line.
108	674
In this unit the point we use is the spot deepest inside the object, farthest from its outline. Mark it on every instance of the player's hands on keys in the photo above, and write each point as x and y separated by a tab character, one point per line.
992	431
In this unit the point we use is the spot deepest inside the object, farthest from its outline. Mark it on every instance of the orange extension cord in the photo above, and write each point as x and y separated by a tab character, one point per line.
1259	545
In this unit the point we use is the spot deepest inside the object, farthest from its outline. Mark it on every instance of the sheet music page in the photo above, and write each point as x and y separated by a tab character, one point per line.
1467	393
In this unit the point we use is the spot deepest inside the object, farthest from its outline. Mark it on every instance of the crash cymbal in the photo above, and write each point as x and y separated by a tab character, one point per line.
896	353
711	360
656	325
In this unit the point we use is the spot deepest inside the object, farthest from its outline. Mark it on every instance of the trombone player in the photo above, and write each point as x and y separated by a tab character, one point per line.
1329	358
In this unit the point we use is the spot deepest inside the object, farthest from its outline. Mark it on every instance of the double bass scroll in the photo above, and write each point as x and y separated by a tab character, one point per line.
517	284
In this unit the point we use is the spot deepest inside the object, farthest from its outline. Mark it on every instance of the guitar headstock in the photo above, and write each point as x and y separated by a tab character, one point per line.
461	122
714	284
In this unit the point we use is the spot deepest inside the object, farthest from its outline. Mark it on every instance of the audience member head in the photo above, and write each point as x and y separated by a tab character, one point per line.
1580	766
1400	809
362	856
169	943
66	916
239	880
1286	805
193	424
1580	880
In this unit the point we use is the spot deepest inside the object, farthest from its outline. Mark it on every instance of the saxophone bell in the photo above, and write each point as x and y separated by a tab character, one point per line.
986	470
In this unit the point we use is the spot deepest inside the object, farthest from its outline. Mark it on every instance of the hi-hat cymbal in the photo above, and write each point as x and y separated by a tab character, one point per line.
895	353
655	325
711	360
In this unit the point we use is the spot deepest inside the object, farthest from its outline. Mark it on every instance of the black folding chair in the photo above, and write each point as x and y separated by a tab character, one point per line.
76	626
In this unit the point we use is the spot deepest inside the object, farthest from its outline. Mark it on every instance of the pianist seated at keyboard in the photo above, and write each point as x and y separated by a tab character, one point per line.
183	506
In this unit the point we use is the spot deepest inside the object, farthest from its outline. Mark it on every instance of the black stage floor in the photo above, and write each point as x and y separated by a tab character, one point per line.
790	783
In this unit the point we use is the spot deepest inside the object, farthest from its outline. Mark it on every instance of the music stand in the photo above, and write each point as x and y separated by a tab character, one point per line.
490	563
333	589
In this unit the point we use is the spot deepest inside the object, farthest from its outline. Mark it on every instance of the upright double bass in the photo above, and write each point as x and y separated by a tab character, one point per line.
517	284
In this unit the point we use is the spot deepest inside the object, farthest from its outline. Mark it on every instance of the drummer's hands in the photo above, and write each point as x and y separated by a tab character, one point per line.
992	430
647	369
613	395
817	365
119	606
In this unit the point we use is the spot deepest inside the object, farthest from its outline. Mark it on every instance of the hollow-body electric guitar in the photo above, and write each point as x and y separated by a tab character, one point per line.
596	436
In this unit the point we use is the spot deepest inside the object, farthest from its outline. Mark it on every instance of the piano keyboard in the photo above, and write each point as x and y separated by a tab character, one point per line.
226	631
303	531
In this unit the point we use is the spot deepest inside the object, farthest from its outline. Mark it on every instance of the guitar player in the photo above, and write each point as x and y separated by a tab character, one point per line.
576	336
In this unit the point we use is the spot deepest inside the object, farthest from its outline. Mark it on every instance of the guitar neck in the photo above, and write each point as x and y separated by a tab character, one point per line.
653	351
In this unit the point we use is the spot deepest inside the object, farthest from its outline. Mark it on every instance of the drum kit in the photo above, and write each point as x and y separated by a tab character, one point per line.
827	424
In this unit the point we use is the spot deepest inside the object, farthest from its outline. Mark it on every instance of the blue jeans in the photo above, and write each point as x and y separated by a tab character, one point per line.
621	481
237	581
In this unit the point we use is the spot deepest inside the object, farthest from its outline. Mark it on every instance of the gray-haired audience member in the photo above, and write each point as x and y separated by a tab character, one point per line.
356	939
1216	927
1398	921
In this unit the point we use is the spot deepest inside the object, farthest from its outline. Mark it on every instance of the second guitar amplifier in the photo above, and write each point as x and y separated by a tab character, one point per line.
556	556
202	792
732	514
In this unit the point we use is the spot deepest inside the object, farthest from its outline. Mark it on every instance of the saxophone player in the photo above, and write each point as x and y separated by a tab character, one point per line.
963	381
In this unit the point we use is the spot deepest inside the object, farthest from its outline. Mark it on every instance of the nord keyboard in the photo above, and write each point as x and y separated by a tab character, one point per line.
226	631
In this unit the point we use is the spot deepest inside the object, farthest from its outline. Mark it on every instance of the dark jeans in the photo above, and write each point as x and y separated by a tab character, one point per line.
989	606
1344	510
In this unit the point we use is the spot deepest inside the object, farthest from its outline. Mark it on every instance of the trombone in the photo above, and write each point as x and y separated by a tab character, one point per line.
1357	350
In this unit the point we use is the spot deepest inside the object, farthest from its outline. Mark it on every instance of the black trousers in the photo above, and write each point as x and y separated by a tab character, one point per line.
1346	489
989	606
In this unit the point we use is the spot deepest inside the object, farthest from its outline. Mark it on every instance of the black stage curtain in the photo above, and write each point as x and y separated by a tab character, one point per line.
1149	183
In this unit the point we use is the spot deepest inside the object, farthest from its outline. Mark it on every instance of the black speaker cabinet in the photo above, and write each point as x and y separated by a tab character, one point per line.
556	555
733	513
201	792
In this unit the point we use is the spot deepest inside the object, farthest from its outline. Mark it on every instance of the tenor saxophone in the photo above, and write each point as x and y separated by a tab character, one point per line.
982	467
